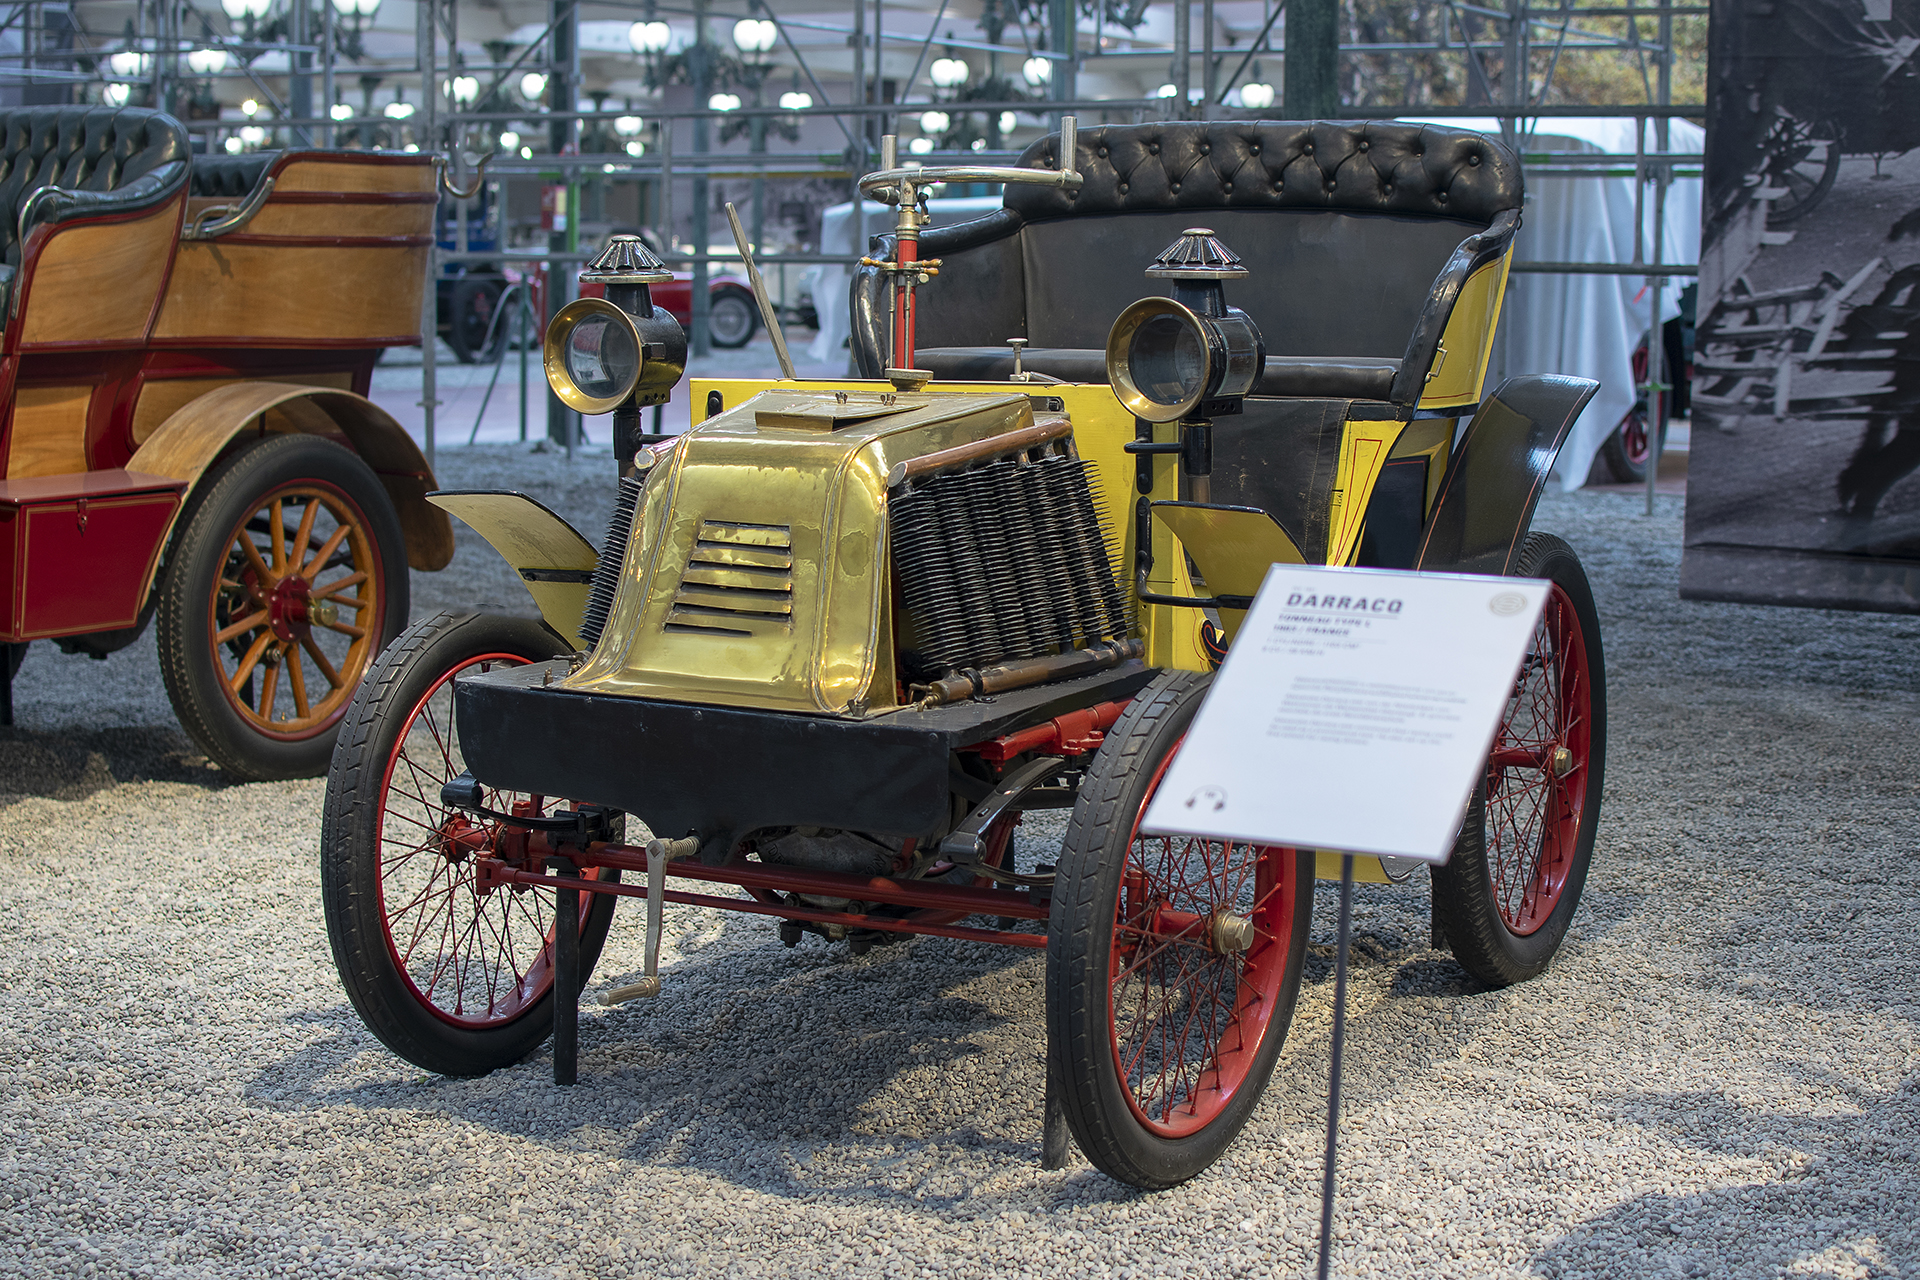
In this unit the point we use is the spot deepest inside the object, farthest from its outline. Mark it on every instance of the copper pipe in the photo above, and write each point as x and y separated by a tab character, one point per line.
1006	676
1045	430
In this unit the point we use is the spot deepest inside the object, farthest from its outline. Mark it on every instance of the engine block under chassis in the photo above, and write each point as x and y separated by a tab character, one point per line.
796	570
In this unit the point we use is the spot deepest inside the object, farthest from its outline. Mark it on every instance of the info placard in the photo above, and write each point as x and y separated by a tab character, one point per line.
1354	711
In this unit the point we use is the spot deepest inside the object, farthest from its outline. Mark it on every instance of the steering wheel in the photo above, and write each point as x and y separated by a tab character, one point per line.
903	186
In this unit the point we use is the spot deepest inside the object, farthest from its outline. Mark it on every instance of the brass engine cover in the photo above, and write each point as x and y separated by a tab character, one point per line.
758	568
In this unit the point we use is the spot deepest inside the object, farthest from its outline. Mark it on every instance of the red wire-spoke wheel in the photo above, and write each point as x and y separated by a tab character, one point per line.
289	575
452	971
1505	897
1173	963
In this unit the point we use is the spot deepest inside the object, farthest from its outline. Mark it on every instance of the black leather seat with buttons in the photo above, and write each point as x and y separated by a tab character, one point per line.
231	177
58	164
1358	236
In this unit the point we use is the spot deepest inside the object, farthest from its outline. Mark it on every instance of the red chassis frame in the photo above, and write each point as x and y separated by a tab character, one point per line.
1076	734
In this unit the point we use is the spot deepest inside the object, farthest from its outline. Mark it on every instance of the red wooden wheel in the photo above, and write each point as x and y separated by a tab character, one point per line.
285	630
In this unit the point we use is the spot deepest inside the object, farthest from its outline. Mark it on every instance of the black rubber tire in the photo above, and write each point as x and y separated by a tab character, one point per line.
732	318
1466	901
352	854
473	302
188	602
1082	1061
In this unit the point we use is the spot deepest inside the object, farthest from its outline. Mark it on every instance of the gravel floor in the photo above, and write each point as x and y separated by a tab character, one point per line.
1719	1077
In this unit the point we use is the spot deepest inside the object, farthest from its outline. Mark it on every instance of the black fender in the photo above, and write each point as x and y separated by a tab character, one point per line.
1493	481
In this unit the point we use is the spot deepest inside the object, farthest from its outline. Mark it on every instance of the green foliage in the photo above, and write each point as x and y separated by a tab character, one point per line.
1555	72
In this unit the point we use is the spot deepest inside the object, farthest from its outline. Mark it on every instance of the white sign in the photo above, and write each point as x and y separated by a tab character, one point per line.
1354	711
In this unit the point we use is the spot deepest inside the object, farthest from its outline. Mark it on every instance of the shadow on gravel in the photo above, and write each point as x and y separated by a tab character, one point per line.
73	766
1836	1211
839	1068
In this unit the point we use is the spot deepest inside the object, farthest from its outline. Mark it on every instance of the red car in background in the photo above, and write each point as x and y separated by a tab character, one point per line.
469	301
732	314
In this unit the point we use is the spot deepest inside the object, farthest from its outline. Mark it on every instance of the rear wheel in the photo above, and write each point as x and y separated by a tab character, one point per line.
1628	452
288	577
731	318
473	333
1173	963
453	976
1505	897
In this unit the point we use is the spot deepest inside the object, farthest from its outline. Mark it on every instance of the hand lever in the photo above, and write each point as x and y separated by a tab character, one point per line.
659	853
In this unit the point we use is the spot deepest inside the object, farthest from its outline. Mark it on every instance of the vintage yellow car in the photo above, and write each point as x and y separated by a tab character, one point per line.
840	636
186	344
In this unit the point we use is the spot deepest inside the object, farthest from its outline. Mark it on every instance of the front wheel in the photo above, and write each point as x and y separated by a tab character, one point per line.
1506	895
452	975
288	576
1173	962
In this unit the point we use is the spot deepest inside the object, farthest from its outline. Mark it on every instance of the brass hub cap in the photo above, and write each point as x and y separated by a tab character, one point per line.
1229	933
1560	762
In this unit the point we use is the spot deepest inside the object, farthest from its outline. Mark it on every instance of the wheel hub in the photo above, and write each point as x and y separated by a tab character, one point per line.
287	608
1560	763
1229	933
459	838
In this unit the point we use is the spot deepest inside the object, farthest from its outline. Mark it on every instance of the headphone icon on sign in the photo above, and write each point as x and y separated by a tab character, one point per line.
1213	799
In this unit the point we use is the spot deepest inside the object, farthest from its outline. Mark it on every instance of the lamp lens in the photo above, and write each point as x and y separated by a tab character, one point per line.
601	357
1167	360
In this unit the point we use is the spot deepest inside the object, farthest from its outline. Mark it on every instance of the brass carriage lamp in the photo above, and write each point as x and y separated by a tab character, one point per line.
1189	358
619	353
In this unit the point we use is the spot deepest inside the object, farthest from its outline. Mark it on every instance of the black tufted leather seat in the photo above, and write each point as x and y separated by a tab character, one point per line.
230	177
102	160
99	160
1358	236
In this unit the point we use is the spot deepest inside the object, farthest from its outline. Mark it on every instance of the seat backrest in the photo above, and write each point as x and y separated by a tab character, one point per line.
1344	227
230	177
97	149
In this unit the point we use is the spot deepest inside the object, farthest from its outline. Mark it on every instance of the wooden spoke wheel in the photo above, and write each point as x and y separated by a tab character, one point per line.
288	577
1173	964
451	973
1803	160
1505	897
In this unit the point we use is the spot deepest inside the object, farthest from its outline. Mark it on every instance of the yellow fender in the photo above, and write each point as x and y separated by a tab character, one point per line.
200	432
554	560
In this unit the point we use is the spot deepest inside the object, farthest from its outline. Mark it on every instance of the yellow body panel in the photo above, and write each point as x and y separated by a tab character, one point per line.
1234	548
528	536
1457	376
1364	447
